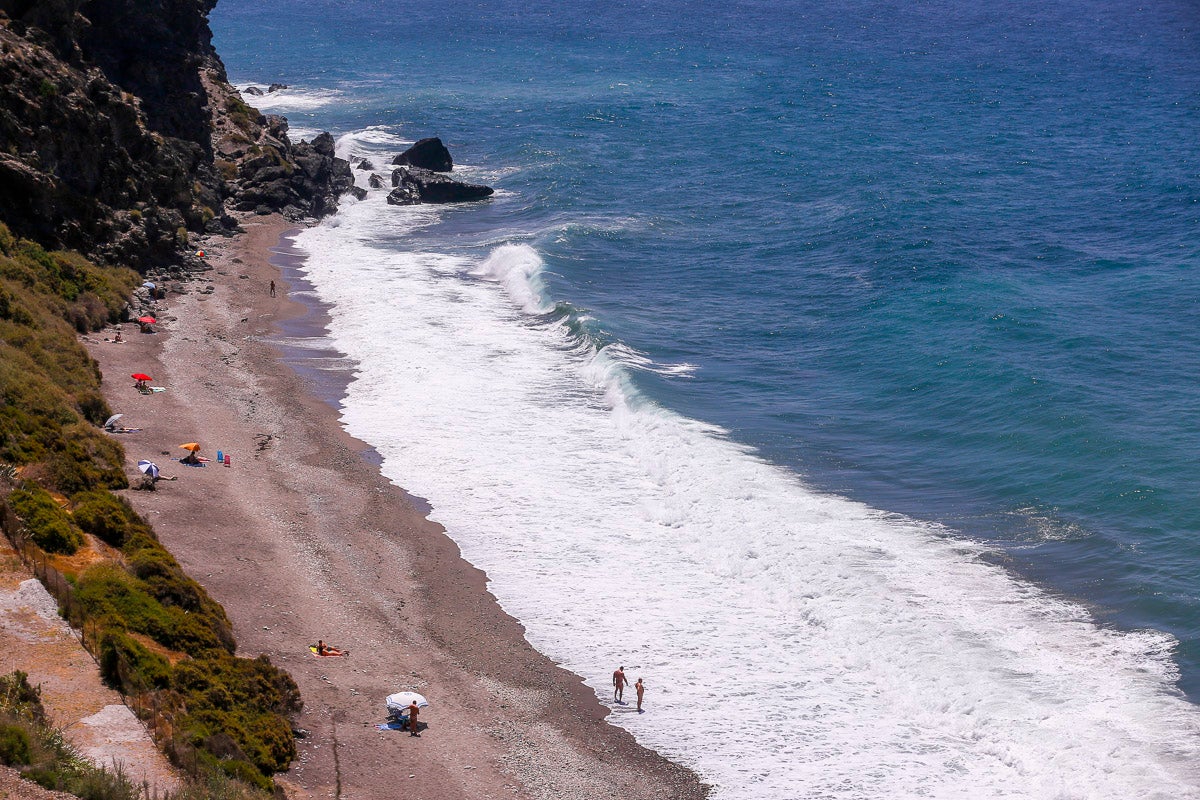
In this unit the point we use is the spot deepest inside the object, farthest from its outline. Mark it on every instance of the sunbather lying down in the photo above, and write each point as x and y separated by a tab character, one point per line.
122	430
322	649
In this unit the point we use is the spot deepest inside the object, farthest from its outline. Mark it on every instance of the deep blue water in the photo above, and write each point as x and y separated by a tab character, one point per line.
939	257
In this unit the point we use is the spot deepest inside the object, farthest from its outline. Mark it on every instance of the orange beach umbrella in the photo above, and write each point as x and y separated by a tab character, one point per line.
190	446
147	320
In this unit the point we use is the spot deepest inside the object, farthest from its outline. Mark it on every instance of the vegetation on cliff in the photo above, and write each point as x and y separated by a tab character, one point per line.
28	743
159	637
49	384
120	137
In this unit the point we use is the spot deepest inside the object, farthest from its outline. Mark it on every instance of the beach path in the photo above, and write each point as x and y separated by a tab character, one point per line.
91	716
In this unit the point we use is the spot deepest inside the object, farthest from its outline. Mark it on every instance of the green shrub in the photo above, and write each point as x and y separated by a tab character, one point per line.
14	745
105	591
47	379
48	525
246	700
48	777
104	515
128	665
19	699
86	459
166	581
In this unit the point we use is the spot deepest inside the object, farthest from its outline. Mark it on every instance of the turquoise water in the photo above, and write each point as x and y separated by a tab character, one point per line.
938	258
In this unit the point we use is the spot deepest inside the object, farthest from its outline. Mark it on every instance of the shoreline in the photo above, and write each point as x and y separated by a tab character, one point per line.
302	538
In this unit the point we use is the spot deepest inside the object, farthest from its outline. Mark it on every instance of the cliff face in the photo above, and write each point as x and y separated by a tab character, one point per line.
107	116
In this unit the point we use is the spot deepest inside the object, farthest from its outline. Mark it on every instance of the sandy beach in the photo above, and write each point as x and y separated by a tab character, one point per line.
301	539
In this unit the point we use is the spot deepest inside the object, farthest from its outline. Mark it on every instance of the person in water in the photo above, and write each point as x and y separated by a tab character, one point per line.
619	684
641	689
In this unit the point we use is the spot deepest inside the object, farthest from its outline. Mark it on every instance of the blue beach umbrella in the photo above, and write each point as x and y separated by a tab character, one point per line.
149	468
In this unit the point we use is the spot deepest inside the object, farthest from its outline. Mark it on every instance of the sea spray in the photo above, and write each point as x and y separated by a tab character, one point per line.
519	269
861	653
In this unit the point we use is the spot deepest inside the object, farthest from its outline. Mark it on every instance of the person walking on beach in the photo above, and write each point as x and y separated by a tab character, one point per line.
619	684
272	288
641	689
413	711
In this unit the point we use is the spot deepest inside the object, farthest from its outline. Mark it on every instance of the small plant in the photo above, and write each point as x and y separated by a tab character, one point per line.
14	745
105	516
48	525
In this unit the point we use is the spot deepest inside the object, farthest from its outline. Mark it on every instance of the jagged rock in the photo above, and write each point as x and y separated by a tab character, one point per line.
275	87
277	126
253	91
120	135
428	154
365	165
375	181
95	158
269	172
358	192
415	185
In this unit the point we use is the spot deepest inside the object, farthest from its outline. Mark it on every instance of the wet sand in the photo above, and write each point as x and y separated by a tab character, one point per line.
301	538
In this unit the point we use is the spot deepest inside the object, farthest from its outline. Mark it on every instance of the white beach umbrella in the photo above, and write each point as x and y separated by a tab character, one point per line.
111	421
148	467
402	700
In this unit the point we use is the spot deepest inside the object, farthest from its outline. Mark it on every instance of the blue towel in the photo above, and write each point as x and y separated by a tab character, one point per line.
390	726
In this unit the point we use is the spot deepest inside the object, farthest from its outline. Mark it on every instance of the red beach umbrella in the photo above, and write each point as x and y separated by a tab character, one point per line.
141	376
147	320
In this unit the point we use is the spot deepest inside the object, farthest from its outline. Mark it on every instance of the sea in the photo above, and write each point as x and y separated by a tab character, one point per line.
830	365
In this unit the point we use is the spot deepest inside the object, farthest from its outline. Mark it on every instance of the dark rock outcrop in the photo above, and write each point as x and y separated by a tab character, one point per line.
365	165
375	181
428	154
272	174
86	165
253	91
120	134
415	185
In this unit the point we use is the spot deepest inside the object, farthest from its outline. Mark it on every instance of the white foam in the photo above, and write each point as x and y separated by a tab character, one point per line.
290	99
794	644
299	133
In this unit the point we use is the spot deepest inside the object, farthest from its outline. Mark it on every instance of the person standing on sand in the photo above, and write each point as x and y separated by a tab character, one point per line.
413	711
641	689
272	288
619	684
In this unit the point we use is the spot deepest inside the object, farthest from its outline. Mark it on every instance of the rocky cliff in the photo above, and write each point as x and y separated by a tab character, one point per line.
120	135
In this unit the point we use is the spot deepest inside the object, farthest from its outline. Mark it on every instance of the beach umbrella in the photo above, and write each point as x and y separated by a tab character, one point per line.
148	467
108	423
147	320
148	285
141	376
401	700
190	446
